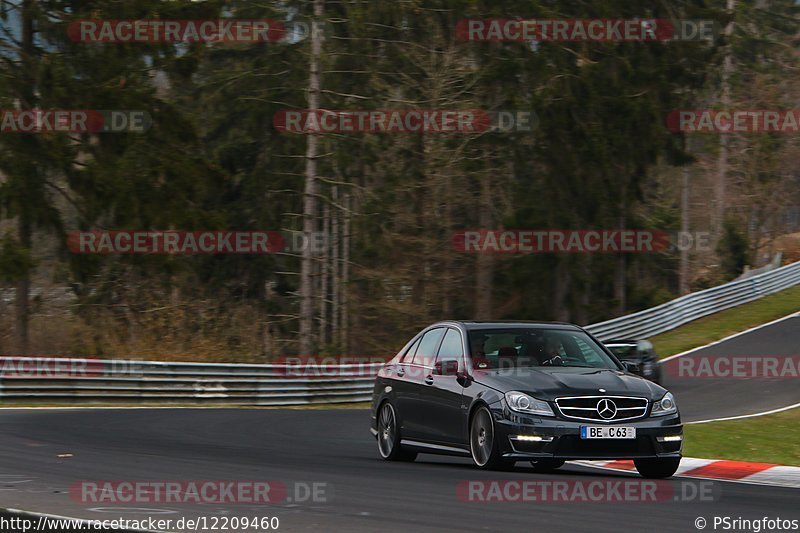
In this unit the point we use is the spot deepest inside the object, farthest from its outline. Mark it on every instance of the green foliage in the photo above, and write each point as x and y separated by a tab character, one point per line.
733	250
212	160
15	260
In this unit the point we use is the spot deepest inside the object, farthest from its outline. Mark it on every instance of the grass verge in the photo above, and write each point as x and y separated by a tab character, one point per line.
763	439
728	322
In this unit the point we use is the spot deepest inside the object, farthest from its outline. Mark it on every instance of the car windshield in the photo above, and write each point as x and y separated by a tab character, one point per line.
532	347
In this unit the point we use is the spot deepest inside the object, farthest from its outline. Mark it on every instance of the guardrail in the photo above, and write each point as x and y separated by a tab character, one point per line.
679	311
772	265
53	380
43	380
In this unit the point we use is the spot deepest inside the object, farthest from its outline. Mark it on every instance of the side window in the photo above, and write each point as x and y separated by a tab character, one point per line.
409	355
451	349
427	348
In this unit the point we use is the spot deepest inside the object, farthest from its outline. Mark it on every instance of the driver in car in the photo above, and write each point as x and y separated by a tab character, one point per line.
551	355
479	359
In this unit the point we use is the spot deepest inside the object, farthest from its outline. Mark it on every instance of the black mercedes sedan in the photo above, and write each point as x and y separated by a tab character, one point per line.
502	392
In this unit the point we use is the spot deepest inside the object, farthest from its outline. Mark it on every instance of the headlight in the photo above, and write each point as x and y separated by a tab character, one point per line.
522	403
665	406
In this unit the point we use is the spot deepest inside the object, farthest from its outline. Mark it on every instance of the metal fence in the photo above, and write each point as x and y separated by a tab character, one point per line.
80	381
56	380
679	311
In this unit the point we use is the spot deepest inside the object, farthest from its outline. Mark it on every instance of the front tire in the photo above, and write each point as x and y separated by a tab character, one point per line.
657	468
389	446
483	445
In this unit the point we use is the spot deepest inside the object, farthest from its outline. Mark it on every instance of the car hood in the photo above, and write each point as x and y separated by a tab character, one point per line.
549	383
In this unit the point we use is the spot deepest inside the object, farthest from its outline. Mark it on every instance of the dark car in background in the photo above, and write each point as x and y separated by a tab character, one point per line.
638	355
502	392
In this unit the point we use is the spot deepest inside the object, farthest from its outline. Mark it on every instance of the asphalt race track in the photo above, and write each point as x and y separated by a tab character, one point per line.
703	398
335	447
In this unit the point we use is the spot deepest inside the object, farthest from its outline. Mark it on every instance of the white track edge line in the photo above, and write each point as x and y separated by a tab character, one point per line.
753	415
795	314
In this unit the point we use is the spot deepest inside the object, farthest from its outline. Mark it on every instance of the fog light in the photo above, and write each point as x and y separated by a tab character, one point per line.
670	438
532	438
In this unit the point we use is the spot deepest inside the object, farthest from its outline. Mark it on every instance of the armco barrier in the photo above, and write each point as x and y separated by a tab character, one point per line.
122	381
679	311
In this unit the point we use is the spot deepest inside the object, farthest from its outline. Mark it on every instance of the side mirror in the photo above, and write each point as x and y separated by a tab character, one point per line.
448	368
629	367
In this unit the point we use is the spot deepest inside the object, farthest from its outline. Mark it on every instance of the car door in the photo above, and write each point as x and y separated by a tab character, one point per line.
414	370
443	393
397	378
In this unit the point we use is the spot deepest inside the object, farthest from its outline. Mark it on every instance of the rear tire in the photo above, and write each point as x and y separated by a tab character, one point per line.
389	446
657	468
547	465
483	445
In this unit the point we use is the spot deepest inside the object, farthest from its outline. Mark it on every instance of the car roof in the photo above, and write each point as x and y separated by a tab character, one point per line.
472	325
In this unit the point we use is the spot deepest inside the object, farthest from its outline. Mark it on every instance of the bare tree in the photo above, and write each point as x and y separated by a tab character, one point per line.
722	162
310	190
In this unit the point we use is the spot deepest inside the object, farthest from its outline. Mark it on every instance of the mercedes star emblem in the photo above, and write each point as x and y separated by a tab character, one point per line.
606	409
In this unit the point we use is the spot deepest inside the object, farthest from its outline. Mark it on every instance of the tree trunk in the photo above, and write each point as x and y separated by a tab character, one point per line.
335	280
722	161
324	271
582	315
23	286
683	273
560	291
485	261
310	191
345	328
619	275
22	293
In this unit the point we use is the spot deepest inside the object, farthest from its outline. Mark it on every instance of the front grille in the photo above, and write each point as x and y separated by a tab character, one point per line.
602	408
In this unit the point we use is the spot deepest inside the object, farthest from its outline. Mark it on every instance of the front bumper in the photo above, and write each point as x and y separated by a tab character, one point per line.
559	438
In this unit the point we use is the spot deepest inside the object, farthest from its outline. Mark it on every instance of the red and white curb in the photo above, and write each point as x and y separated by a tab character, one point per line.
745	472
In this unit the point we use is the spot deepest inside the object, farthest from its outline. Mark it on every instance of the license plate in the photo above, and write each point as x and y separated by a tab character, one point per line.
607	432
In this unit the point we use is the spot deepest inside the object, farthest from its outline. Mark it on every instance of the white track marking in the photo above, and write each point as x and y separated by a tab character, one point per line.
729	337
763	413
